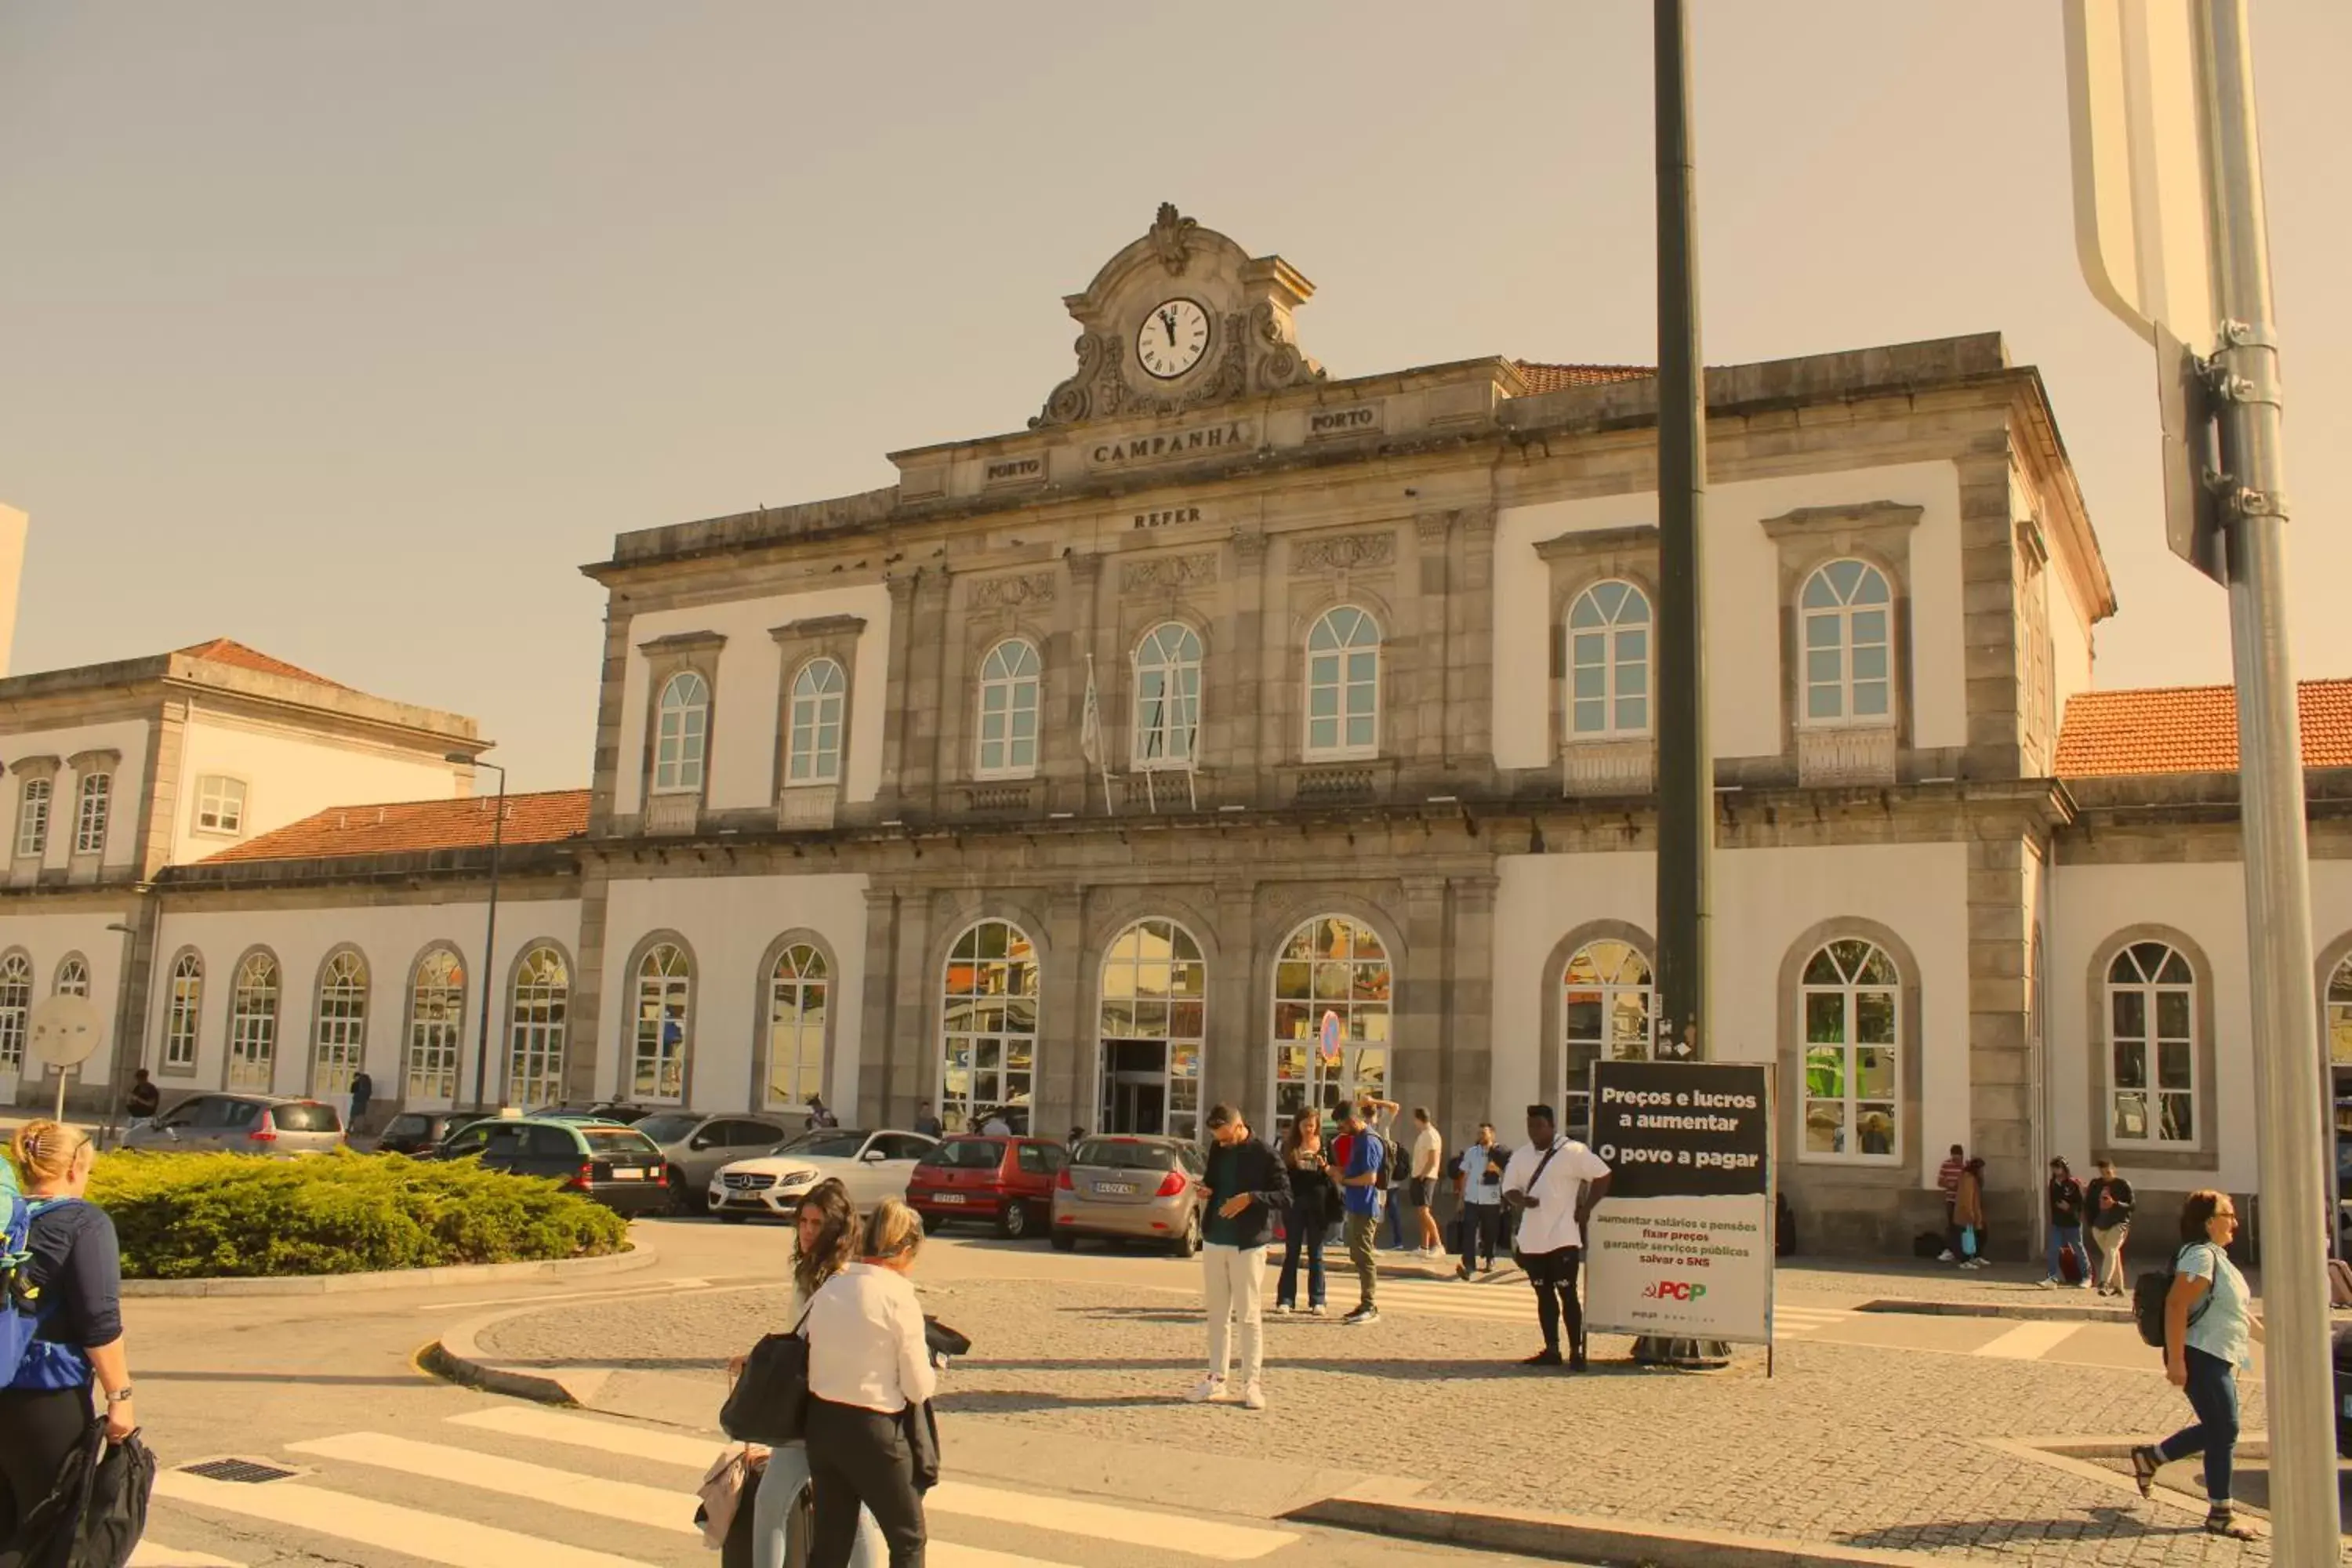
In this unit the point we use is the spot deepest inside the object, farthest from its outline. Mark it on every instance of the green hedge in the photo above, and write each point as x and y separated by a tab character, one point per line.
190	1216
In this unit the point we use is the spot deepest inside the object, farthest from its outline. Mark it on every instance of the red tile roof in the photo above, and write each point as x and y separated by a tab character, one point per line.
221	650
418	826
2189	730
1541	378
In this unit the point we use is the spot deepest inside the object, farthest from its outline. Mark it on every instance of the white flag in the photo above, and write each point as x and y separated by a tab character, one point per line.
1090	725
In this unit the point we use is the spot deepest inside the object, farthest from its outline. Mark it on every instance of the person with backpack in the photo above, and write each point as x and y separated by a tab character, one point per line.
2208	1330
1360	1199
1380	1119
61	1323
2065	1227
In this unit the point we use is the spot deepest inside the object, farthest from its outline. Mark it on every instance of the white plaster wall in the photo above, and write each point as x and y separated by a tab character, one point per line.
13	526
728	924
290	775
45	940
2070	644
128	736
1764	900
749	706
1743	611
392	936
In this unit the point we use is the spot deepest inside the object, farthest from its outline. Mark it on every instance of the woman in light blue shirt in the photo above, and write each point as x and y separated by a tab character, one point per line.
2209	1330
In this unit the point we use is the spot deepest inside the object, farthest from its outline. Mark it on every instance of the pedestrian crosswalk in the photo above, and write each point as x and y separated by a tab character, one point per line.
1496	1300
497	1485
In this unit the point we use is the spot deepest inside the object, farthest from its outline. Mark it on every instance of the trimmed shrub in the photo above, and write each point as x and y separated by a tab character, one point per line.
192	1217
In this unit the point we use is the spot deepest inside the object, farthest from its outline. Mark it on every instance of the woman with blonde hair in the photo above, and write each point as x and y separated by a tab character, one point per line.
869	1364
76	1264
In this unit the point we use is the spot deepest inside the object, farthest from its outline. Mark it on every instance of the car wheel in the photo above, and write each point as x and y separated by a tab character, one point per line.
1014	1223
1065	1242
682	1200
1189	1243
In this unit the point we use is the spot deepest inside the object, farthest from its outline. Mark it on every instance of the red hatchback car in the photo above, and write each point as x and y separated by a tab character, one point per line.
1004	1182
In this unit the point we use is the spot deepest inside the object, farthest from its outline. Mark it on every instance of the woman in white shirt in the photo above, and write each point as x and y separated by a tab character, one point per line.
868	1362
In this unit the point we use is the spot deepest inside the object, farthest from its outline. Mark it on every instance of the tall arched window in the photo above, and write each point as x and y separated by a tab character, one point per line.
1847	615
1850	1006
658	1046
16	1004
799	988
1337	965
2152	1046
1343	684
1609	662
988	1045
182	1014
1008	711
1153	1033
436	1027
341	1045
819	691
1167	697
73	977
91	815
253	1022
2339	1014
538	1017
682	728
1606	1013
33	817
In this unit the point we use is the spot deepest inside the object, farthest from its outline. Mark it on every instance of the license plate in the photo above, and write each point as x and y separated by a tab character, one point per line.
947	1197
628	1173
1125	1189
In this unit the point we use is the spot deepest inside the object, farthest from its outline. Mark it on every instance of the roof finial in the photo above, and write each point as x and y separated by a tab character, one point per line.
1171	236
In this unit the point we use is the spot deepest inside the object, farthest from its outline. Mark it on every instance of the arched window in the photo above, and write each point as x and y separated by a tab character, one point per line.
2339	1014
1607	1014
1847	617
253	1022
33	818
1335	965
1343	685
73	977
16	1004
341	1047
537	1017
183	1014
799	988
1167	697
657	1049
988	1037
89	818
2152	1046
1850	1006
682	727
818	692
1609	662
1153	1034
436	1028
1008	711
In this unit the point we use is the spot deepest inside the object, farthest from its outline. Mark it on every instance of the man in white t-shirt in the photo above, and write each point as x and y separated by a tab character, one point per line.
1553	1182
1428	1160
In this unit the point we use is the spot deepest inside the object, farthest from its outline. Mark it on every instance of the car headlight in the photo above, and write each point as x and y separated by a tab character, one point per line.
795	1178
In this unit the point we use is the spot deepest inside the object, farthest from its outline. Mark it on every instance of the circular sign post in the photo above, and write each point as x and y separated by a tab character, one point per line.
63	1032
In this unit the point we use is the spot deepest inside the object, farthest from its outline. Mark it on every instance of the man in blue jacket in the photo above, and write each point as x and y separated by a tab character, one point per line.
1247	1188
1360	1196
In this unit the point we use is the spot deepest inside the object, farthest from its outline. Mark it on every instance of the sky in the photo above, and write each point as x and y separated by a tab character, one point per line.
351	332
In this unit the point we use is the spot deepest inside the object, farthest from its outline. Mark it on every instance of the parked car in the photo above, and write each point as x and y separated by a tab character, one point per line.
247	1123
872	1165
1132	1189
1004	1182
695	1145
619	1167
416	1133
619	1114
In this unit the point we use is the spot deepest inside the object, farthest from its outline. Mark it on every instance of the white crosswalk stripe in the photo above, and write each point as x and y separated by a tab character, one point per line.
1513	1304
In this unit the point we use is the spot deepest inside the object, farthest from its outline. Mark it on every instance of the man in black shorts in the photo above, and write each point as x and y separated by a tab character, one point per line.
1552	1183
1428	1162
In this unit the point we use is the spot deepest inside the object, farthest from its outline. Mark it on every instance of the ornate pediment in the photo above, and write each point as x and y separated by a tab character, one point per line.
1182	319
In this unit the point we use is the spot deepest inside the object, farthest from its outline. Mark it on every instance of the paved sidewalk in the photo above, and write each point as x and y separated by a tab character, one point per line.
1845	1445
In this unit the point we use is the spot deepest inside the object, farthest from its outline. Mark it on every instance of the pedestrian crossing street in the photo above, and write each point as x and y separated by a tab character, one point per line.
1510	1301
461	1496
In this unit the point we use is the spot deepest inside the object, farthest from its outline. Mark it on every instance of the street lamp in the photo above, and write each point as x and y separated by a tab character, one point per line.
490	932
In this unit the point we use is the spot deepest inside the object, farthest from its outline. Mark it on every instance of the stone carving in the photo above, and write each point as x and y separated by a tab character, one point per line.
1171	237
1280	363
1169	572
1073	400
1346	552
1012	593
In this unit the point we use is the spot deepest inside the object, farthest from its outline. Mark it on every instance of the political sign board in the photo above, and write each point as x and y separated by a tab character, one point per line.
1681	1248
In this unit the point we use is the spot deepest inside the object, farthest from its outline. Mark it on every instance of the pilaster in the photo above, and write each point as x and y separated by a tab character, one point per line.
1248	754
1062	1077
1240	1070
910	1050
1426	680
898	714
2000	1072
583	1020
1421	1015
878	1008
1465	1093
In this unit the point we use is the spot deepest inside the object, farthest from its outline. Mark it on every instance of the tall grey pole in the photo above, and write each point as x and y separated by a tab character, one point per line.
2298	1377
489	946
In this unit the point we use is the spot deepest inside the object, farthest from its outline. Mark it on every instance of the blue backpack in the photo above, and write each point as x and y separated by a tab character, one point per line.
27	1362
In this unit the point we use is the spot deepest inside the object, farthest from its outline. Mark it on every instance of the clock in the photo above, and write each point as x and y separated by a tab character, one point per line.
1172	338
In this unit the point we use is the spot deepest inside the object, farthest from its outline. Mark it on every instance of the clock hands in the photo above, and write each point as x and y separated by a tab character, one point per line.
1167	324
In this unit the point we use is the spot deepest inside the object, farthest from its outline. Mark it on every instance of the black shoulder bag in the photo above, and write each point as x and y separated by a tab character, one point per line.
768	1404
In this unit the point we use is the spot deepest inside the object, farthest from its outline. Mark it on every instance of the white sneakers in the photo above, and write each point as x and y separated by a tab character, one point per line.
1949	1255
1253	1396
1212	1390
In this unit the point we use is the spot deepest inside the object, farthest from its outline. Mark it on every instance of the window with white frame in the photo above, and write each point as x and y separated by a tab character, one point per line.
1847	619
1851	1010
538	1019
657	1049
1008	711
253	1022
1609	662
1607	1013
97	796
1333	966
988	1045
2339	1014
1343	684
339	1042
1167	697
15	1008
681	730
819	691
73	977
2152	1046
183	1012
33	818
436	1027
220	804
798	989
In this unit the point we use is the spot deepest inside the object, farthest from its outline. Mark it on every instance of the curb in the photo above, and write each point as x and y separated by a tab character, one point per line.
638	1257
2029	1312
456	1357
1580	1539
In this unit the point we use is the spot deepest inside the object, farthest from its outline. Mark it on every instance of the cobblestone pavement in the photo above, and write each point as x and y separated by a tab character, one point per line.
1844	1444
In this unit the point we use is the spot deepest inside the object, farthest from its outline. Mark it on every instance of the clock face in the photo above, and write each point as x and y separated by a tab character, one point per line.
1172	338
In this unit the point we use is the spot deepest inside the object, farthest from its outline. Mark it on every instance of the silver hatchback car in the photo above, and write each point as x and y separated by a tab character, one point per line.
244	1123
1132	1189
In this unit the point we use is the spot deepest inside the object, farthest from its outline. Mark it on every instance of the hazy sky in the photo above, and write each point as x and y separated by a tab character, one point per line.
351	331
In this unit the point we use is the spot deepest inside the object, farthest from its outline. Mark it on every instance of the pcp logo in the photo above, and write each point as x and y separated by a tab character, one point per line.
1674	1291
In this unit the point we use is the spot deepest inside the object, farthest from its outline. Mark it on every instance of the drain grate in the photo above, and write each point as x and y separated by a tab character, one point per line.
250	1471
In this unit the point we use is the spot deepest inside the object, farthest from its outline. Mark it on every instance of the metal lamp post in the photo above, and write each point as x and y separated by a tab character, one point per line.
489	934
